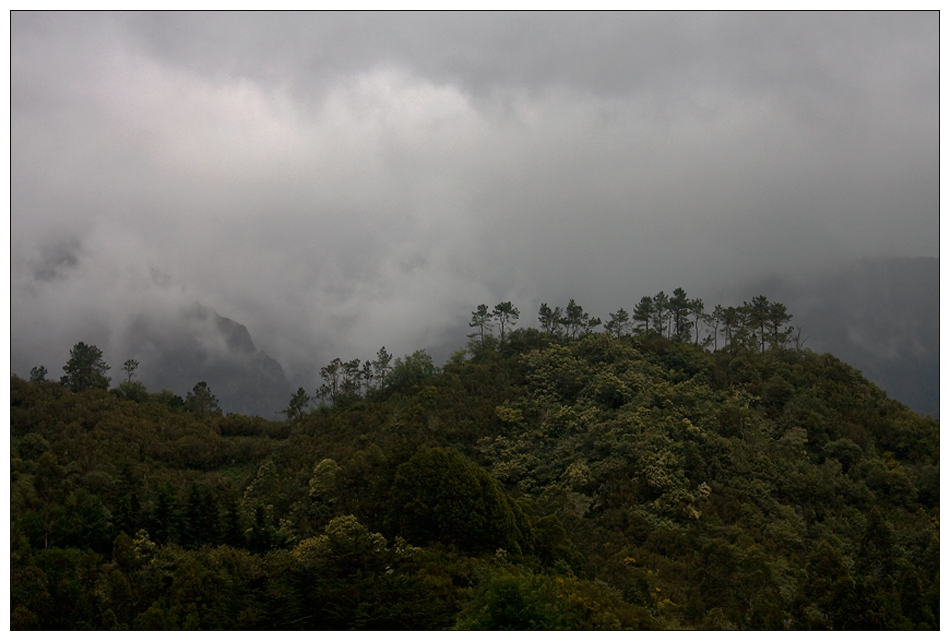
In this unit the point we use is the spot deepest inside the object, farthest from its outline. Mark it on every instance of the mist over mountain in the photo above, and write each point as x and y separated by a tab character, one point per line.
339	182
261	201
204	346
881	315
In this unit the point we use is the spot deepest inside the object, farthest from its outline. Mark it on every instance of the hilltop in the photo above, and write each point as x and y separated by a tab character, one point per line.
563	478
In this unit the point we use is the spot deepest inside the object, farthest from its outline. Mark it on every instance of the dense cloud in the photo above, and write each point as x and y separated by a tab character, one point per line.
338	182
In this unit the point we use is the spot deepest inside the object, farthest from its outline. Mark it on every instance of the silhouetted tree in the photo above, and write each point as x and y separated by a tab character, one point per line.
619	323
331	374
201	401
547	318
381	366
661	313
696	311
85	368
715	319
575	319
506	316
298	402
757	318
643	313
481	319
678	305
351	385
777	317
129	368
732	325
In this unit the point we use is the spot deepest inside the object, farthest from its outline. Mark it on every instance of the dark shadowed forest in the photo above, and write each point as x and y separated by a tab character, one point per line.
588	475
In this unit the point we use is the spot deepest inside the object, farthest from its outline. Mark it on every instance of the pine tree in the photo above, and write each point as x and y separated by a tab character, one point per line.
298	402
643	313
85	369
481	319
661	313
506	316
678	305
619	323
201	401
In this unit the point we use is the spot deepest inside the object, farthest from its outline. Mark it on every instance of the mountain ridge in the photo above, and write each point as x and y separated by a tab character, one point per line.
212	348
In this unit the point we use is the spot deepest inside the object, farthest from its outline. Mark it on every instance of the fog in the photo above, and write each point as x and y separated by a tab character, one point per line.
339	182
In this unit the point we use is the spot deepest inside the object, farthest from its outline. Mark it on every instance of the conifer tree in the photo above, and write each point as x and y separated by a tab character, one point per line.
715	319
619	323
547	318
661	313
481	319
696	307
201	401
298	402
575	319
331	374
85	369
381	366
777	317
506	316
643	313
129	368
678	306
757	318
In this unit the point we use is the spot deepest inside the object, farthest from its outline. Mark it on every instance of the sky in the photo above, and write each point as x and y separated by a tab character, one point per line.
337	182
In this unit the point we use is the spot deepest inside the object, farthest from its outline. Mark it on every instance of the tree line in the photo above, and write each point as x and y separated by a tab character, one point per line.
343	381
755	325
86	370
759	324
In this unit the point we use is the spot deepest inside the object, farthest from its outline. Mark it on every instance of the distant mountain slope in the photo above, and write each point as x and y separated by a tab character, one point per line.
882	316
204	346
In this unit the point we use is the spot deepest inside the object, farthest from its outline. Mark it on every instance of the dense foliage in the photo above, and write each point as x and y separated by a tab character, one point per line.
552	480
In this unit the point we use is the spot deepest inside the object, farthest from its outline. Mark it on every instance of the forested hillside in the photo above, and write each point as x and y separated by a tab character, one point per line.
562	478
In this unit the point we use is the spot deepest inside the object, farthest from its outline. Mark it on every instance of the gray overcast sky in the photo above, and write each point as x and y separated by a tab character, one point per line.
337	182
